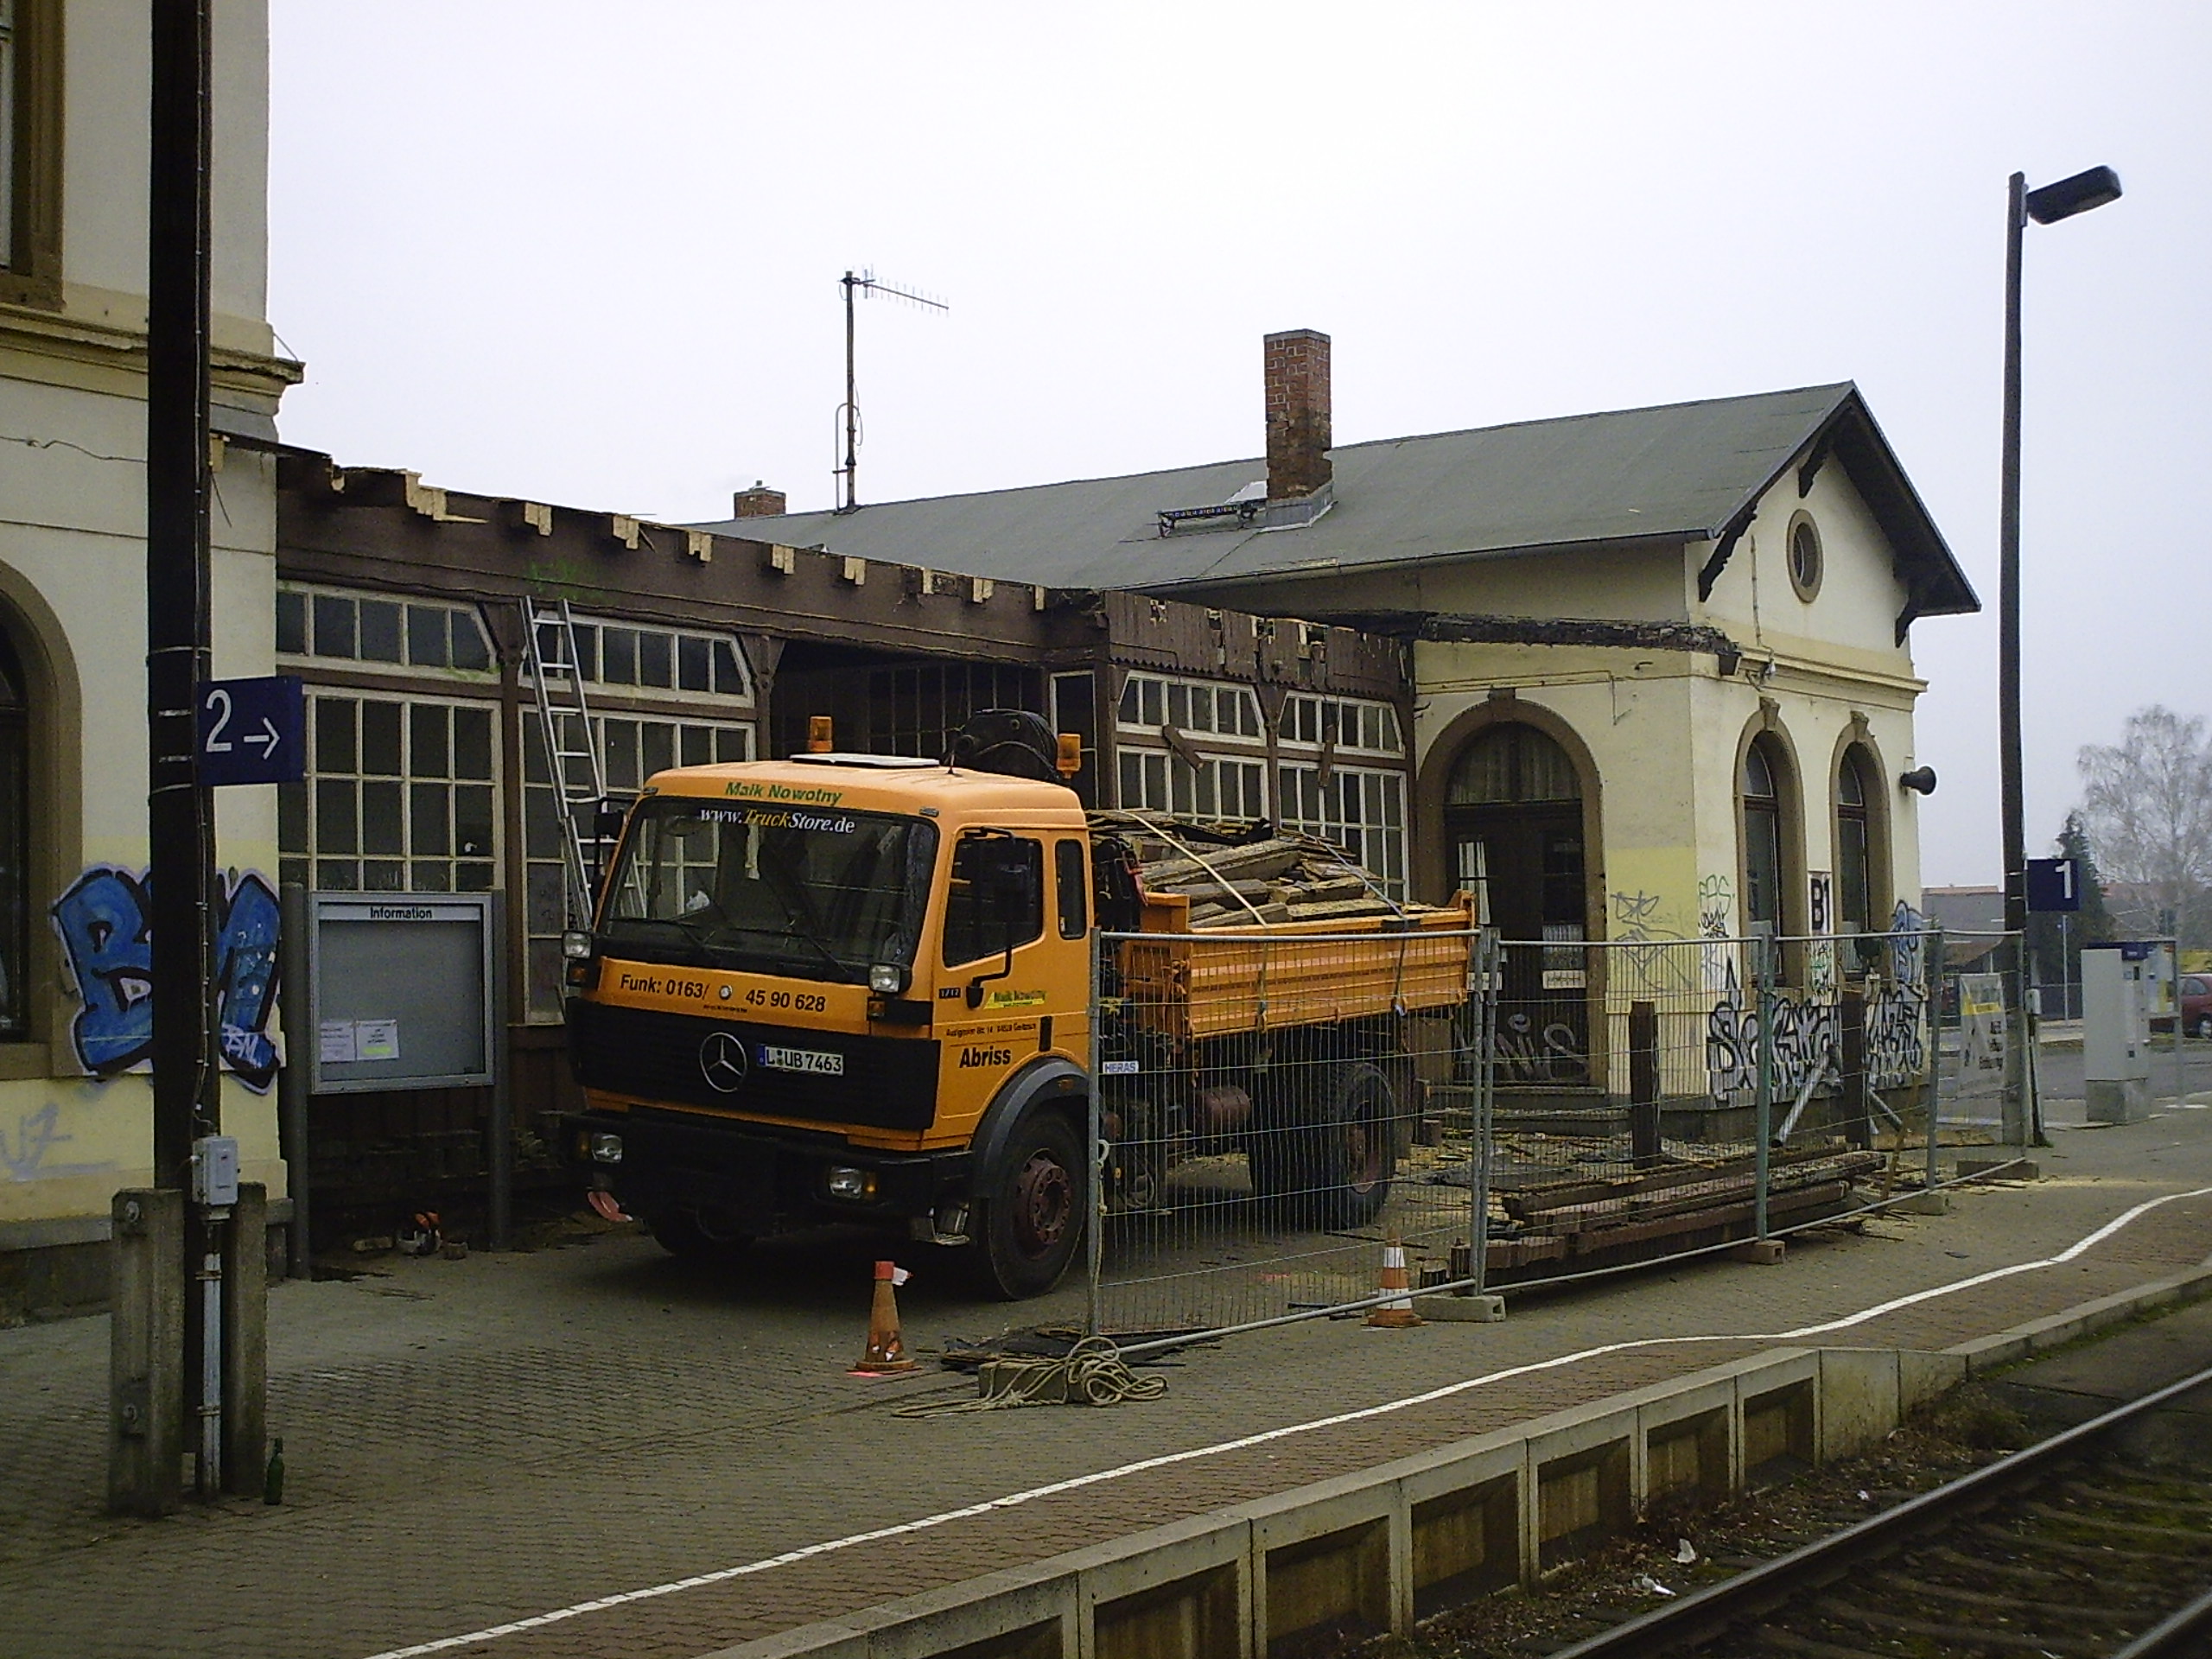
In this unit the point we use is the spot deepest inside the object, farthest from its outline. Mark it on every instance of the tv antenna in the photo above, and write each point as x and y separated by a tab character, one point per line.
848	412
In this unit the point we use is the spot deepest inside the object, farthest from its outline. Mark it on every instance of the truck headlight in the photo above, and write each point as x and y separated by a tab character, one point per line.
855	1185
886	979
607	1148
575	944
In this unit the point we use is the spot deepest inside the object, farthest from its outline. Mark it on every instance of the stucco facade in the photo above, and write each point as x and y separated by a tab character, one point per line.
75	1108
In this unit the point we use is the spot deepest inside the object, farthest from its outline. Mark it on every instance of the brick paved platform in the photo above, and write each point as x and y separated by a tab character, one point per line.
477	1442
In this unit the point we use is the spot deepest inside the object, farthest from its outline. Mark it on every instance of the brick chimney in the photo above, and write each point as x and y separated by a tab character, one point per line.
1298	413
758	502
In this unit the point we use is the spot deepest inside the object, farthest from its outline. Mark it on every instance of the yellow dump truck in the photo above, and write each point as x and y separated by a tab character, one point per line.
859	987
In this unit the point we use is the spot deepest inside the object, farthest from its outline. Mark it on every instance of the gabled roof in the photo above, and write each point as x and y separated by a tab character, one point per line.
1677	472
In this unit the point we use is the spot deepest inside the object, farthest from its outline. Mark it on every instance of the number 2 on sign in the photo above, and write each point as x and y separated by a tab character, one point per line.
217	743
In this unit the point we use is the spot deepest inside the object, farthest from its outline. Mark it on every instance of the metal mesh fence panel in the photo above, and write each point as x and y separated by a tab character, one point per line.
1658	1097
1272	1110
1983	1096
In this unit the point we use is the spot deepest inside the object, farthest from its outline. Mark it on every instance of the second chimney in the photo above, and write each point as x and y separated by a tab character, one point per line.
1298	413
758	502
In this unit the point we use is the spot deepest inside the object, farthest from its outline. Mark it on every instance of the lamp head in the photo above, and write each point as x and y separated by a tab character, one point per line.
2075	195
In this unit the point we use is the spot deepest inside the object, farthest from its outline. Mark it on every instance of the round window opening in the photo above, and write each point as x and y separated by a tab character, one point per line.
1804	558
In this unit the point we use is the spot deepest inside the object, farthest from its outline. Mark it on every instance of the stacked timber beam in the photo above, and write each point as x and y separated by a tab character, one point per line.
1652	1212
1238	874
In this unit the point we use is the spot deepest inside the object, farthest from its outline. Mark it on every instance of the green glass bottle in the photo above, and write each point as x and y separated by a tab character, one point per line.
272	1483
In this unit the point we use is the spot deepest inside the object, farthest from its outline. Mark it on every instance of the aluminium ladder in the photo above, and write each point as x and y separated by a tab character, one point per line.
578	772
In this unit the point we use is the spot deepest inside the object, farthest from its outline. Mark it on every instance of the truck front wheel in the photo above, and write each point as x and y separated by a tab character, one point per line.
1033	1208
697	1237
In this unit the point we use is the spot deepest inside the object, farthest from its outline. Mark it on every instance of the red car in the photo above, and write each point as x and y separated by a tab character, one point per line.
2196	1004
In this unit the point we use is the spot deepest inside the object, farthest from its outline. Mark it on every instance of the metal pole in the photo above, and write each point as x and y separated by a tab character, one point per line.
179	851
2008	577
852	407
2181	1085
292	1081
499	1221
186	1086
1095	1239
1932	979
1763	977
1488	971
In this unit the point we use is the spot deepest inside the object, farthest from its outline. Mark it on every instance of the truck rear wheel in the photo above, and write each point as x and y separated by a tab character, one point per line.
1033	1208
1325	1150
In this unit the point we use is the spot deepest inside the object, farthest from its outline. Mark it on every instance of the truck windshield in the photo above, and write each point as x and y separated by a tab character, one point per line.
815	893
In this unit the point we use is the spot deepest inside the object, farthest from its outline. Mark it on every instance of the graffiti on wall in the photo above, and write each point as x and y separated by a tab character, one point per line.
25	1153
1807	1029
105	921
1804	1040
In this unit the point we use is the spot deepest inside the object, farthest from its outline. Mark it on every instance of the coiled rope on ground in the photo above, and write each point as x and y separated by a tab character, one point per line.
1092	1373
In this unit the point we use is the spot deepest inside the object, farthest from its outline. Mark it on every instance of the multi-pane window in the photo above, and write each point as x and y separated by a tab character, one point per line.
1152	701
368	628
399	798
623	655
918	710
1225	786
1348	725
1762	839
1361	809
632	748
9	102
1854	847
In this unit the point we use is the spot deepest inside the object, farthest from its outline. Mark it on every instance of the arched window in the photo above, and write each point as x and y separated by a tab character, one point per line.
14	846
1762	864
1513	765
1857	893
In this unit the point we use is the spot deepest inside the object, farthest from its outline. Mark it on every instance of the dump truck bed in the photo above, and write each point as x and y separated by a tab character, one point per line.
1233	981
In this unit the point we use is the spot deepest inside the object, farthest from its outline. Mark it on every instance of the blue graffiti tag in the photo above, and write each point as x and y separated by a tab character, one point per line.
104	921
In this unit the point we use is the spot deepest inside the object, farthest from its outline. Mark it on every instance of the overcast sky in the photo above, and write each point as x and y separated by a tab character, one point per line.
589	255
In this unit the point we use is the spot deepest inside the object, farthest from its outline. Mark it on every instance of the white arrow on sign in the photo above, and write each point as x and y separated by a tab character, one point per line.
267	737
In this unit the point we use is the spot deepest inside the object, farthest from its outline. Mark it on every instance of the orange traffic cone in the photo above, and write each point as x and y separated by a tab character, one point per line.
1398	1312
885	1354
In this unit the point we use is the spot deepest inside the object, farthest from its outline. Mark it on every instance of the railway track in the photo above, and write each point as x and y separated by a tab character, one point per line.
2095	1544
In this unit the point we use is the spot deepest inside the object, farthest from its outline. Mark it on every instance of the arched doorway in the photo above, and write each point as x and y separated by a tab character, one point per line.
1513	823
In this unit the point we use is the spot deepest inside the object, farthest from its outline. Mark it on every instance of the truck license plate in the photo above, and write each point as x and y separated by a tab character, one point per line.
813	1060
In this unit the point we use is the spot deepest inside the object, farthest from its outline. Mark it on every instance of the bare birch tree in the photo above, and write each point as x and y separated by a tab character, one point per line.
2147	805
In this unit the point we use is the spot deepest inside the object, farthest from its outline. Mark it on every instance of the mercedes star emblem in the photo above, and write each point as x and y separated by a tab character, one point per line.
722	1061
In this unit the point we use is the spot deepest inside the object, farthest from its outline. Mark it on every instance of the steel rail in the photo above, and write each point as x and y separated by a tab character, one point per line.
1706	1612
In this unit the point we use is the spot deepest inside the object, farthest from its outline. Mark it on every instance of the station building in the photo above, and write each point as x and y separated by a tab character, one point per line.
75	1108
1663	677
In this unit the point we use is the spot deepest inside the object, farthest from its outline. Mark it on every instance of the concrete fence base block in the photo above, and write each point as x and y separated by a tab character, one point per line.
1921	1204
1465	1310
1759	1252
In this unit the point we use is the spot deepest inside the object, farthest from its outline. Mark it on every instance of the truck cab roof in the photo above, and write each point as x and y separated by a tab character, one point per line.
880	783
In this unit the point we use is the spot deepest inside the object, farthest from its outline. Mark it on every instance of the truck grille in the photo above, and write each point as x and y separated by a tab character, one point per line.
886	1083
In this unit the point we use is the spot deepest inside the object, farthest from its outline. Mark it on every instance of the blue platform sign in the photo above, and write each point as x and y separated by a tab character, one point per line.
253	731
2053	884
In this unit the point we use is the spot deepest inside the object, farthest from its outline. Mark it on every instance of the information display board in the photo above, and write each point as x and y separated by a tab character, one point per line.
401	991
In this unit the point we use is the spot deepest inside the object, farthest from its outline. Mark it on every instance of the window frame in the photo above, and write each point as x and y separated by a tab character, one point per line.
30	261
1806	585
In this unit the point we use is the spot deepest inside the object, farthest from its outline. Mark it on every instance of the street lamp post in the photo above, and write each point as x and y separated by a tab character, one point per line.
2048	206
